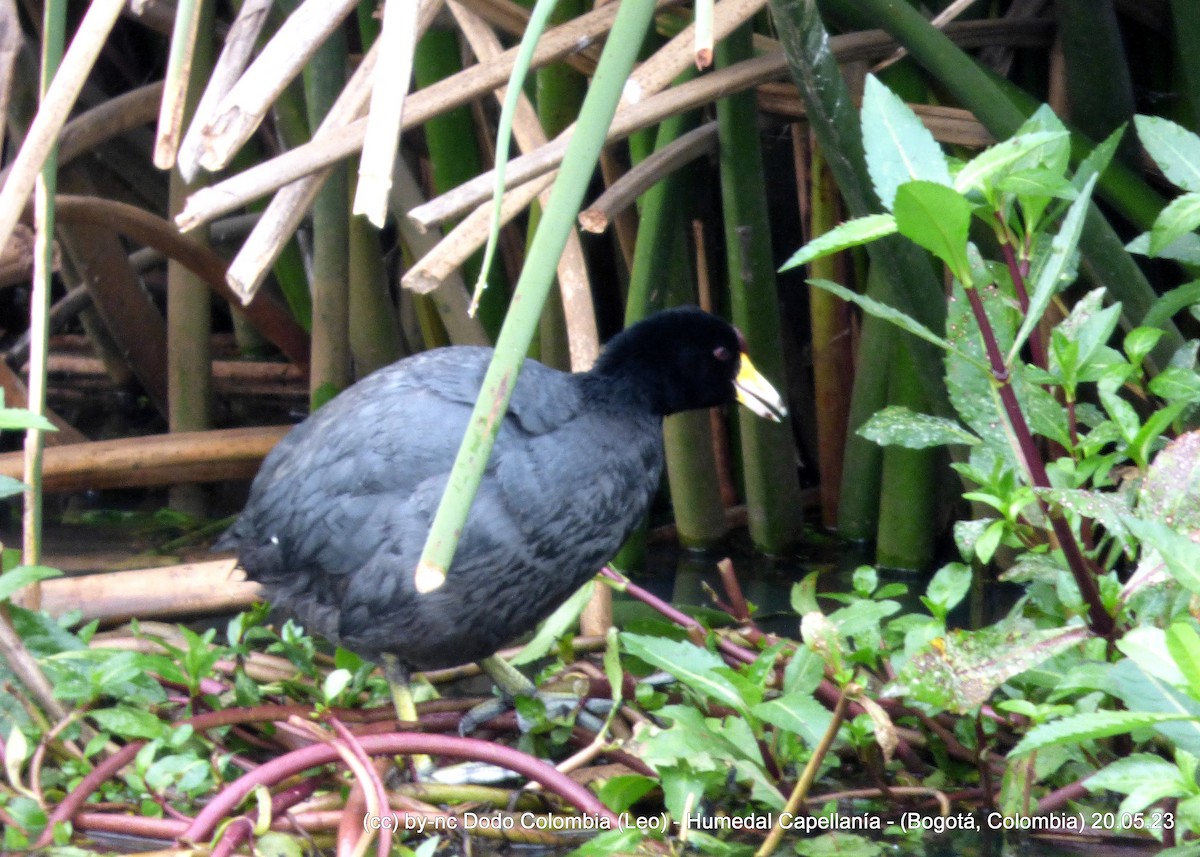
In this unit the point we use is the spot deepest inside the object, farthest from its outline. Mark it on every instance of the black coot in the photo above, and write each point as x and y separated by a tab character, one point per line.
339	512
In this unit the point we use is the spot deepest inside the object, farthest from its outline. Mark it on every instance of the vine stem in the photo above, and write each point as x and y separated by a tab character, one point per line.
806	779
1100	619
398	743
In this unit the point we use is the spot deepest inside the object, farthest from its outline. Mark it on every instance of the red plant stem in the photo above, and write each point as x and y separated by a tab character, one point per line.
1100	619
677	616
404	744
239	830
1018	271
92	781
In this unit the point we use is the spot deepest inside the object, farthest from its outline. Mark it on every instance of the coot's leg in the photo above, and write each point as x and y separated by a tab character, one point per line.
398	675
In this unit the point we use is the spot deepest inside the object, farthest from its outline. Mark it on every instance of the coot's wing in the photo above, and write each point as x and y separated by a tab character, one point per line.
375	443
553	506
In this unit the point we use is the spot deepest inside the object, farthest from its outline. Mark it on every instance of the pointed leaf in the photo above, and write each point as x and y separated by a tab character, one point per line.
1088	727
1175	149
961	671
896	425
937	218
693	666
1023	150
1048	281
1181	216
1098	159
883	311
23	575
898	146
852	233
798	713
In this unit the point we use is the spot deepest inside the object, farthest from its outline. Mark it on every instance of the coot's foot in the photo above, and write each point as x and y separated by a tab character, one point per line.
512	683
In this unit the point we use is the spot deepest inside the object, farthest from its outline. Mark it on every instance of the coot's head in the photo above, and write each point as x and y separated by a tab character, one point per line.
684	359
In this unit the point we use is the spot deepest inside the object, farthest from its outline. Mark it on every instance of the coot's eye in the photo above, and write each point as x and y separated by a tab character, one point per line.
722	353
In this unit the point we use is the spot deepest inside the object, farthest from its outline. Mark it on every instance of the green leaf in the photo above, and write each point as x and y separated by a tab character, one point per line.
1145	692
1098	159
1170	490
1175	149
21	418
337	681
1180	554
1178	298
622	792
1133	772
1088	727
937	218
898	146
1184	645
960	672
883	311
129	722
1038	182
797	713
1021	151
1049	277
22	576
950	585
694	667
896	425
1181	215
10	487
851	233
1186	248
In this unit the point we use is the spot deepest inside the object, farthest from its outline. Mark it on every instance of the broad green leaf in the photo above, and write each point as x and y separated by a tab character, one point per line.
851	233
950	585
1133	772
1144	692
898	146
937	218
1088	727
1019	152
1178	298
1181	216
621	792
1175	149
129	722
1171	488
22	576
1185	248
883	311
691	665
798	713
1038	182
961	671
896	425
10	487
839	843
1049	277
554	626
1176	384
335	683
20	418
1184	645
1180	554
1045	120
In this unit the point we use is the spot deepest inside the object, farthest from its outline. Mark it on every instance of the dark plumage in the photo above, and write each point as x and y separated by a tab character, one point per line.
339	512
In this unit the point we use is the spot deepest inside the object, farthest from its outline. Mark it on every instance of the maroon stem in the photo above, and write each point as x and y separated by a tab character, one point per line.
677	616
1019	271
1100	619
239	831
94	779
404	744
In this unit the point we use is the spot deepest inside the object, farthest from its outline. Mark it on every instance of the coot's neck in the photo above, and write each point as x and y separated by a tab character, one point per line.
622	381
